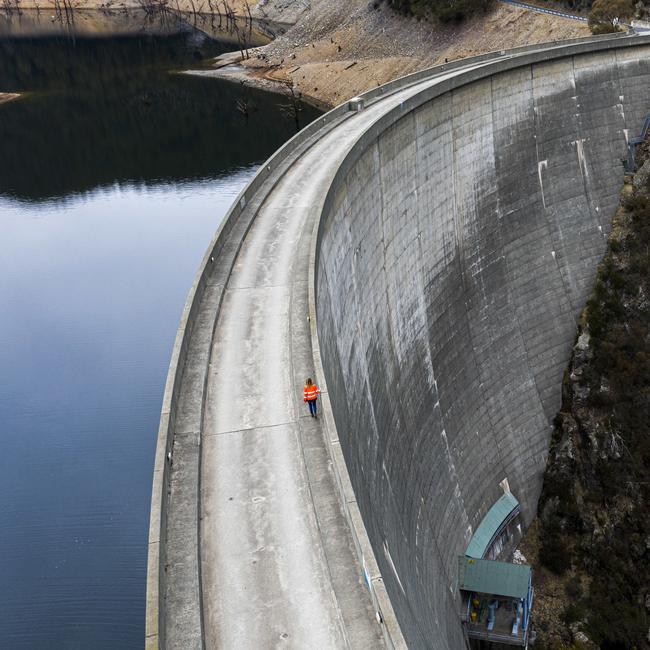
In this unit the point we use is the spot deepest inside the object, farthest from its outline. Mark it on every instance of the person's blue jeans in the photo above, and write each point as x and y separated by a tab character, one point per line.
312	406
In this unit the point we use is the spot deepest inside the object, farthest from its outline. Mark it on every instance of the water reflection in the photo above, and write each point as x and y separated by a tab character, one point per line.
72	20
99	111
114	177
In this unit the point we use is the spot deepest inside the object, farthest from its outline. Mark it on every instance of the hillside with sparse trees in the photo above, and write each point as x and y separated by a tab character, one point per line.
443	10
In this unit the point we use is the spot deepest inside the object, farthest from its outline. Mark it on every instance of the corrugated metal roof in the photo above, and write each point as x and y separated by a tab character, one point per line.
491	523
493	577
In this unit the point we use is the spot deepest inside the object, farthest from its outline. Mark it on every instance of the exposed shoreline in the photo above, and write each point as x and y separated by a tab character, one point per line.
322	55
228	67
338	49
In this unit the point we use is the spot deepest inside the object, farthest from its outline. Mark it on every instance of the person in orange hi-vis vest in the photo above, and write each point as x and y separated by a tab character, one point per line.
310	394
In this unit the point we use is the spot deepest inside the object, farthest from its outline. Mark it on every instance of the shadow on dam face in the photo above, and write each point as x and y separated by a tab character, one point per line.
453	259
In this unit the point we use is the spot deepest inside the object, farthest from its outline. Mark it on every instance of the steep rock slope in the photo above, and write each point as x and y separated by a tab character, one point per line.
594	527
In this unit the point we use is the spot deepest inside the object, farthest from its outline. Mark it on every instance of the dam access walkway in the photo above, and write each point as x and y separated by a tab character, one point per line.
277	559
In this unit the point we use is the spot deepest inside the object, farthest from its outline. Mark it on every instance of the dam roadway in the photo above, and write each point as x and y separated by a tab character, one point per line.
278	559
326	270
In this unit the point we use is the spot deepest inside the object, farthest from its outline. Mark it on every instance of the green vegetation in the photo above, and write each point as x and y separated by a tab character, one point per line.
443	10
595	505
606	15
576	645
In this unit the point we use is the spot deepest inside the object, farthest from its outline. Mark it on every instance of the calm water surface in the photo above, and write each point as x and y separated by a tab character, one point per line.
113	177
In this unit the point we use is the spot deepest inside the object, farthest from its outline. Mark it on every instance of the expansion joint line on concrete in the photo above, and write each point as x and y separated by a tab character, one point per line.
247	430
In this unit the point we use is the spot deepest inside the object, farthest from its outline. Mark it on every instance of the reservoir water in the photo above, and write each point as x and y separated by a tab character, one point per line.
114	175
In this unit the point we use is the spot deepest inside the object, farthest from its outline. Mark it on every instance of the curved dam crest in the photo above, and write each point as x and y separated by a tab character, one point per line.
454	256
455	226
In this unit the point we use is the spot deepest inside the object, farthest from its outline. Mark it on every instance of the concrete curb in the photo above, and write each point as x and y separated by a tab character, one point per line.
155	616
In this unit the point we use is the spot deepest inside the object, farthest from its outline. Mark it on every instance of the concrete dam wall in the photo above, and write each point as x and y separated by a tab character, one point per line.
457	245
425	259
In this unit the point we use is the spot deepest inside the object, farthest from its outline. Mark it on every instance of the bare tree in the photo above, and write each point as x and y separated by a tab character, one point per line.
64	12
243	107
250	15
294	108
152	7
606	15
11	6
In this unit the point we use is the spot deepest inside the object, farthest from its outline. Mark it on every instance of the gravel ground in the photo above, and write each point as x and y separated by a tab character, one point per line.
339	48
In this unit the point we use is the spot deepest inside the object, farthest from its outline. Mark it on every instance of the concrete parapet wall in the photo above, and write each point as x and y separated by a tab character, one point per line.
457	245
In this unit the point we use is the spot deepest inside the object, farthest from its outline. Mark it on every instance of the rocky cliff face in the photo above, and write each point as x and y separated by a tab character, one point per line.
594	513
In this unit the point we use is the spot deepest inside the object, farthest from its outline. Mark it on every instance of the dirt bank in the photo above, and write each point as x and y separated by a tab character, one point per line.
326	50
184	5
340	48
128	18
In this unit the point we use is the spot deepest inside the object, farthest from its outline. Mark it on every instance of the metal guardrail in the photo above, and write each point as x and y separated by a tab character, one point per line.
630	163
480	632
544	10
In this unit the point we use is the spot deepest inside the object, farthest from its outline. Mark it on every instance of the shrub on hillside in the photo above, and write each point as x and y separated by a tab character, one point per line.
554	553
616	621
443	10
606	15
